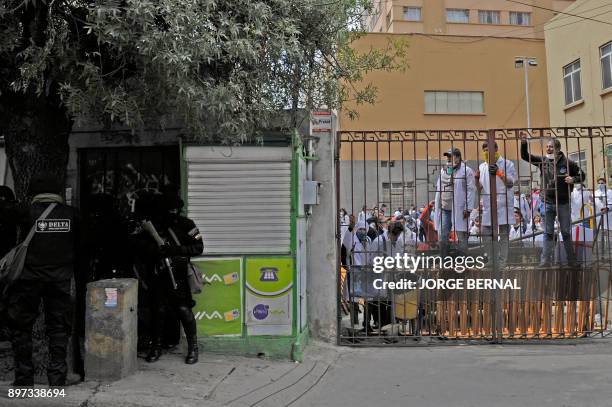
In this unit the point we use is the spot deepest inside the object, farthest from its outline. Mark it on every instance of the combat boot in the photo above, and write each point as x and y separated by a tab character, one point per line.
192	350
155	351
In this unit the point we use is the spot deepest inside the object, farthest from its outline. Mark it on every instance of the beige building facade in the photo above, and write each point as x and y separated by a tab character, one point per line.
579	64
498	18
455	82
452	82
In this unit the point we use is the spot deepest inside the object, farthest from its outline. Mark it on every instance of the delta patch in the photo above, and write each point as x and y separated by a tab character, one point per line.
562	170
53	225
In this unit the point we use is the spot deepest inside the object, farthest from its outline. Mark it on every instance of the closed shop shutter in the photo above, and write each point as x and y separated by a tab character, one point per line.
240	198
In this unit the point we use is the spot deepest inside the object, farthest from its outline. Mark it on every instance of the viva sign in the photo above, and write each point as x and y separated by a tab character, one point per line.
269	296
218	309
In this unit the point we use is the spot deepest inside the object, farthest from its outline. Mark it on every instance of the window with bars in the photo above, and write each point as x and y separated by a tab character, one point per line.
606	65
488	17
454	15
398	194
571	82
608	161
454	102
520	18
412	13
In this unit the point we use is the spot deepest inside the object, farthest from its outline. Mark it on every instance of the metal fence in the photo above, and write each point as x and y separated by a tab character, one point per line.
545	239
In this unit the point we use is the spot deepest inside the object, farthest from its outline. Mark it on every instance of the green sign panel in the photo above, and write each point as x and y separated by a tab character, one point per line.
269	276
269	296
218	309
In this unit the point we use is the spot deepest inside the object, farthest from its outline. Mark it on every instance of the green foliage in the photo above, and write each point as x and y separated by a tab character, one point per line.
222	68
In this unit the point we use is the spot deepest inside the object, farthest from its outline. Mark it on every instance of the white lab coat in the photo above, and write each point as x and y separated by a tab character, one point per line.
362	217
359	255
474	235
523	205
358	252
464	191
344	224
505	195
516	232
603	199
530	230
577	200
383	246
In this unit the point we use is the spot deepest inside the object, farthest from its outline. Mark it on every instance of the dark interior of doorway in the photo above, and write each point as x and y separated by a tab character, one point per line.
124	172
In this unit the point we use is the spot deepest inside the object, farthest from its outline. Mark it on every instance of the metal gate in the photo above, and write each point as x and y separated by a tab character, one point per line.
416	206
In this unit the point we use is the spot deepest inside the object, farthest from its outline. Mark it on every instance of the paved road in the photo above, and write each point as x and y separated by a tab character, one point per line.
457	376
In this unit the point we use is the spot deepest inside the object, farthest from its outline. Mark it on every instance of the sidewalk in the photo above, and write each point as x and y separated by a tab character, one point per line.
457	376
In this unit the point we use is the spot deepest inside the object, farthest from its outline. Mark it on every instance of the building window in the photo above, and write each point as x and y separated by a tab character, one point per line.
580	159
606	65
454	102
571	81
398	195
488	17
454	15
386	164
412	13
518	18
608	161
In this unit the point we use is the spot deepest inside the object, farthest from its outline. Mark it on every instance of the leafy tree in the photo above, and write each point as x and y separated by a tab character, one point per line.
221	69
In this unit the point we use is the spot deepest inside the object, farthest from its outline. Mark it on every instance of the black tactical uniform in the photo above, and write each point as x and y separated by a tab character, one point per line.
49	268
8	240
162	298
8	223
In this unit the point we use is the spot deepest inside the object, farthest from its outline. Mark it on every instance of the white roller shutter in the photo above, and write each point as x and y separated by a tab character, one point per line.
240	198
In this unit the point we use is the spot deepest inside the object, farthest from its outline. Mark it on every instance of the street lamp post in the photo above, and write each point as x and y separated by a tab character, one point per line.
525	63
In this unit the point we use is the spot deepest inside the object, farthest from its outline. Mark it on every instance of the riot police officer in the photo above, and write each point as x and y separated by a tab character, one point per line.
167	286
46	277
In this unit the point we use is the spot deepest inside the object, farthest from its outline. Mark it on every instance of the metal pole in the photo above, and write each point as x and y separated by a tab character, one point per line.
526	70
498	327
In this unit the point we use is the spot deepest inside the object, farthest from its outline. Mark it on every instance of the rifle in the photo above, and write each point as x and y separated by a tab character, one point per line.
148	226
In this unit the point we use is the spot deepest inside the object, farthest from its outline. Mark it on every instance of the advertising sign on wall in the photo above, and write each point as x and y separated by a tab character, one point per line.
218	309
269	296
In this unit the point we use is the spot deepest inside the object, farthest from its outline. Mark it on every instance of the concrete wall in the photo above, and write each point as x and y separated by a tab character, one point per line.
322	250
361	185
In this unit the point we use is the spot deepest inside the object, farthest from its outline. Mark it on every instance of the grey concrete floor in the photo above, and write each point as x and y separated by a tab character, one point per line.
457	376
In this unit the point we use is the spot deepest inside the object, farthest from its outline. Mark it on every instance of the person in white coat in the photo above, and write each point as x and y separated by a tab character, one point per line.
505	176
344	222
454	200
363	215
580	199
603	204
389	244
520	201
603	210
357	245
519	229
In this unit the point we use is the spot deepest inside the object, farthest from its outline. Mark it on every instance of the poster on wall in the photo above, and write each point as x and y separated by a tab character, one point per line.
269	296
218	309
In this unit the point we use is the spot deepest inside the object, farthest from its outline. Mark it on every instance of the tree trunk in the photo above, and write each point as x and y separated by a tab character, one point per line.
36	137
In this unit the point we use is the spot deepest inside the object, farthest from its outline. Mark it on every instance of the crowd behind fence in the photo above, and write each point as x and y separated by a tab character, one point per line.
430	193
